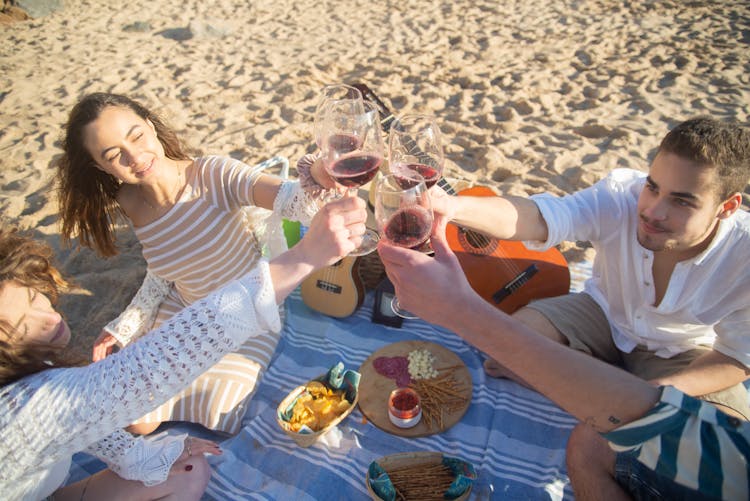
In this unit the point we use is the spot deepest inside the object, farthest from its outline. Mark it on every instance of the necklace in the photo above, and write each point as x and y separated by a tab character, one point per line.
174	191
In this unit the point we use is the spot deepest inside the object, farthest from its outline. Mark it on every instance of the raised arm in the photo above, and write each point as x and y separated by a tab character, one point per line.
505	218
436	289
296	200
53	414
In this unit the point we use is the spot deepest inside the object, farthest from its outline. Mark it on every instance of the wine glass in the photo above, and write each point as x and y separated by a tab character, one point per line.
352	152
404	215
416	145
340	97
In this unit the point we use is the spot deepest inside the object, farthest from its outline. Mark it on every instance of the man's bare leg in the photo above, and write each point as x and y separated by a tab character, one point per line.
591	466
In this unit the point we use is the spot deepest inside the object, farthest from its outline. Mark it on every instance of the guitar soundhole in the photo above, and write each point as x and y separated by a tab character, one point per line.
476	243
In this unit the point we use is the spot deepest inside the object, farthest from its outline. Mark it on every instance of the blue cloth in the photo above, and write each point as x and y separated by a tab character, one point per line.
513	436
644	484
691	442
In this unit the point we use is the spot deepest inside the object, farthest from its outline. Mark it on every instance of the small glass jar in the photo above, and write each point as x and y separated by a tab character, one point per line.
404	409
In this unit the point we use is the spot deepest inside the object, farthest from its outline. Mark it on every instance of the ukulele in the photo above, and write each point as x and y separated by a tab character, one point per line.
504	272
336	290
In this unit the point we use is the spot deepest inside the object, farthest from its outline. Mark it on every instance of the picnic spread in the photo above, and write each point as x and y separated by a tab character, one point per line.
514	437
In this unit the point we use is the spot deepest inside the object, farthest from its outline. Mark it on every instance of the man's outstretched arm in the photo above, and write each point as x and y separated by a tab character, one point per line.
436	289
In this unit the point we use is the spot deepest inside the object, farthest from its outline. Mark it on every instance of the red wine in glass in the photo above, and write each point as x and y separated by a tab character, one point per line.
409	227
355	170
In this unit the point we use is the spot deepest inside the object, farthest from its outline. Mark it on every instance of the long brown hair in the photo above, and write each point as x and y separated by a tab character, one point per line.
87	195
719	145
28	262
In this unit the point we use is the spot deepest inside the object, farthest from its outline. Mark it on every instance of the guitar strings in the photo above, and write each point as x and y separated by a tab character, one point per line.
481	239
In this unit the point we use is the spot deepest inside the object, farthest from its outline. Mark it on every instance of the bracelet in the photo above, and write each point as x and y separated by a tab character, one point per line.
306	179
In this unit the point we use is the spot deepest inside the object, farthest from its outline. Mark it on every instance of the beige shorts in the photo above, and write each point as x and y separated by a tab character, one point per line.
582	322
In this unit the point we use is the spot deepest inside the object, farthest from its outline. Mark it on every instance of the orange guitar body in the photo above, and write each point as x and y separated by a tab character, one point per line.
491	264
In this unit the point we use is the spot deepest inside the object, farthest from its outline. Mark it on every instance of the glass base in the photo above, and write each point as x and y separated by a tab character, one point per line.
401	312
369	243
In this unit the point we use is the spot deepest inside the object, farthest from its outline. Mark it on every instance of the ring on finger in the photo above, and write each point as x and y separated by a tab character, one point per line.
187	444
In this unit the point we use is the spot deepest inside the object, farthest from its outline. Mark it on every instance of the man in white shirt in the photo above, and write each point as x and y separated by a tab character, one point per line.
669	445
669	299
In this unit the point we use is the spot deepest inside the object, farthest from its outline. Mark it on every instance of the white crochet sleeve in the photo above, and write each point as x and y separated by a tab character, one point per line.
139	316
47	417
292	203
295	201
295	204
147	459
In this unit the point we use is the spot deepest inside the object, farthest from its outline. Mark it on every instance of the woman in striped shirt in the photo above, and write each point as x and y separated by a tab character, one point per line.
190	217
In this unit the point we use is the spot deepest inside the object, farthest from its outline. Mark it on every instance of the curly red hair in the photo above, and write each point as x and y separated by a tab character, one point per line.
30	263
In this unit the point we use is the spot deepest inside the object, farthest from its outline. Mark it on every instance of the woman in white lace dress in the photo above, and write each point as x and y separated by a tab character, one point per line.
190	217
52	407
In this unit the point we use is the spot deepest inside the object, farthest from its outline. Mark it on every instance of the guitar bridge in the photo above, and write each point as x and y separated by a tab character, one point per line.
328	286
515	284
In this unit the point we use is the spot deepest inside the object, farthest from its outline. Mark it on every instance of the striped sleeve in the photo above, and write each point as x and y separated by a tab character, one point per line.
692	443
229	182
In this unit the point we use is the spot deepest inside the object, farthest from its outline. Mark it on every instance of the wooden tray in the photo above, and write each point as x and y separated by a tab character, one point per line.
374	389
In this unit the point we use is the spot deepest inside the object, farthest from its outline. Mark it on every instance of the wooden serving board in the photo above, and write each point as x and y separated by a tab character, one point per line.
374	388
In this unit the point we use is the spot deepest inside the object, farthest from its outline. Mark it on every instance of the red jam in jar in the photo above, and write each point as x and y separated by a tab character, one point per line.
404	409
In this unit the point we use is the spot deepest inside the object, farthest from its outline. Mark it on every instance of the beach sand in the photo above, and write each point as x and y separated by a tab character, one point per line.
544	96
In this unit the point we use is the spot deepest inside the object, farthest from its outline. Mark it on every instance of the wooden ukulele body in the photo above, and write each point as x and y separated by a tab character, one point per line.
335	290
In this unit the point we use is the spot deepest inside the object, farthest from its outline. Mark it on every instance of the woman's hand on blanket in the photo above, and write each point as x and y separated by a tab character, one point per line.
335	231
195	446
103	346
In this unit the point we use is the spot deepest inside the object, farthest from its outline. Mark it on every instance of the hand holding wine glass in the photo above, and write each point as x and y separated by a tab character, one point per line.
416	145
404	215
352	152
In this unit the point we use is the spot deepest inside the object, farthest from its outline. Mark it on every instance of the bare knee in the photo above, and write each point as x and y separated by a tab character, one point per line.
587	450
591	466
142	428
194	474
539	323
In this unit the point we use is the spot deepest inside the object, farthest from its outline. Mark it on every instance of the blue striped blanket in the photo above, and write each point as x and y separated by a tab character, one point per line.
515	437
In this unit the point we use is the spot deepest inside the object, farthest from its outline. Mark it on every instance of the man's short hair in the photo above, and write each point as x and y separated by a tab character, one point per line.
716	144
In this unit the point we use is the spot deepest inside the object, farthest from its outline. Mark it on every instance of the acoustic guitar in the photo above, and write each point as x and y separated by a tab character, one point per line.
504	272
